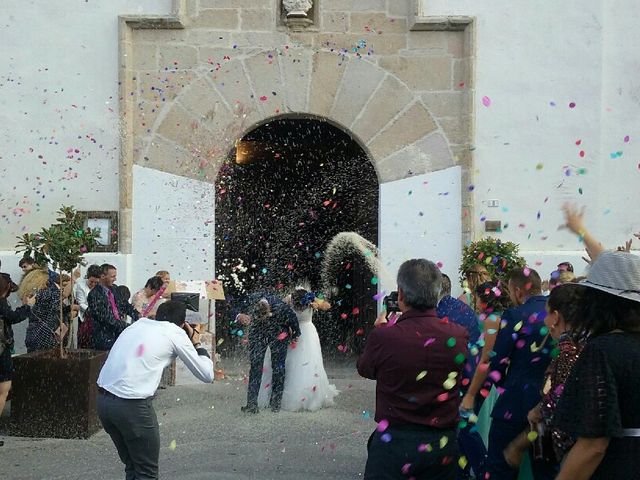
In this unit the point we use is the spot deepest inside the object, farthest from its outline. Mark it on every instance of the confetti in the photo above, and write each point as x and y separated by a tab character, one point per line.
382	425
140	350
421	375
486	101
172	445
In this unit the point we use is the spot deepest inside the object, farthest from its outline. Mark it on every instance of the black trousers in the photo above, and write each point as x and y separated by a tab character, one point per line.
421	453
257	350
133	427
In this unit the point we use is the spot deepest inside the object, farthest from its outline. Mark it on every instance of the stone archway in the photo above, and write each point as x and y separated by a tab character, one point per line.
288	188
188	92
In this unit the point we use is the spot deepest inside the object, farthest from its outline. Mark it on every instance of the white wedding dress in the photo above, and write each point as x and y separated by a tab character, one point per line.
306	386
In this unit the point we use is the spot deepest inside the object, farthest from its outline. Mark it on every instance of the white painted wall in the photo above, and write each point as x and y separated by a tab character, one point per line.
59	94
420	218
173	220
530	54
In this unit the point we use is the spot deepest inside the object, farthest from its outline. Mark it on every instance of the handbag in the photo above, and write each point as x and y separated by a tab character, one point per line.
543	444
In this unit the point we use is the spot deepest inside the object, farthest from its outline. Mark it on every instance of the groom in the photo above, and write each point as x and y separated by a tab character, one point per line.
272	323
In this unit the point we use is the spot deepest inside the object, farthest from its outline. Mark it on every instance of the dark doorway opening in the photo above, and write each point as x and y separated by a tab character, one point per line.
286	190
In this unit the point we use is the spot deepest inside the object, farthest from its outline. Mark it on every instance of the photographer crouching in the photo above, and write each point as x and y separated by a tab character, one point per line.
130	377
417	362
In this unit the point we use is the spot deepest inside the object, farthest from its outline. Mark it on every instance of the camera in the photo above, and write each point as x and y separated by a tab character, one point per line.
391	303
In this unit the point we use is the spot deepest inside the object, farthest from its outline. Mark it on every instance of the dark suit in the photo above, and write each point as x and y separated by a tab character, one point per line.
106	327
276	332
522	354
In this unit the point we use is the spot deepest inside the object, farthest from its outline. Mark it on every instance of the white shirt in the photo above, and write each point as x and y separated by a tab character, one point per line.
81	292
134	366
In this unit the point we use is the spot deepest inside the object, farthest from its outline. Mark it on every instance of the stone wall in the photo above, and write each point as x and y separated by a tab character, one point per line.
195	82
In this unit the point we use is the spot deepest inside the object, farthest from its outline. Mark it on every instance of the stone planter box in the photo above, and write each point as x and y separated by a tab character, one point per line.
55	397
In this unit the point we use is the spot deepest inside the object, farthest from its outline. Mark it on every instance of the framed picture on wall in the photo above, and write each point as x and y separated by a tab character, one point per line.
107	224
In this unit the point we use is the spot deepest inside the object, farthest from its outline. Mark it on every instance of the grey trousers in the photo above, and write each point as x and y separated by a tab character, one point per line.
133	427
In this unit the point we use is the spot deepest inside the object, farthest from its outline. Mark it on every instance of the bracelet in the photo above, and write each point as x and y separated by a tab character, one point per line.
197	345
581	233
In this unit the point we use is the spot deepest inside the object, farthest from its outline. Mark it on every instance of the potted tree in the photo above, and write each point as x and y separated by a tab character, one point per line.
54	391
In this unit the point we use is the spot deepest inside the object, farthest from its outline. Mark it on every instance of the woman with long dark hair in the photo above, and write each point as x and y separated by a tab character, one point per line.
600	402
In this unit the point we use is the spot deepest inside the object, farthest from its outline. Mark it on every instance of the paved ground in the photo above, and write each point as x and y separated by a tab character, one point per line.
213	440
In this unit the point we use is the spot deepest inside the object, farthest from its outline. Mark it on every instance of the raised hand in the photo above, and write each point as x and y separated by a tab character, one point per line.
574	218
626	247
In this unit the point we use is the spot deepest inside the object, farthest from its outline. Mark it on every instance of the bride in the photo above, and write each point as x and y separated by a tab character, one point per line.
306	386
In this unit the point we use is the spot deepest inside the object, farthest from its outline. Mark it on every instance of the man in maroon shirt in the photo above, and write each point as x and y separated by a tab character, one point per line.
417	363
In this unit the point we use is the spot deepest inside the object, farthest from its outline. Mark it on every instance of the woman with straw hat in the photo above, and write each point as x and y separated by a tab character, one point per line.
601	398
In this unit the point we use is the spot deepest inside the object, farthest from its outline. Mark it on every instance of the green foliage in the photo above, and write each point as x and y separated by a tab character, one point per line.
61	246
497	256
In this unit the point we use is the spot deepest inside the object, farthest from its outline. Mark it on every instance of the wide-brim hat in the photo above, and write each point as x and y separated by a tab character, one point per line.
617	273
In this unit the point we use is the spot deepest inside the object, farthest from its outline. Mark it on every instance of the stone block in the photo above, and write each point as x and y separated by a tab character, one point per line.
145	56
421	72
436	147
209	38
205	103
261	40
214	57
448	104
263	71
192	8
328	69
434	42
177	57
366	44
360	81
409	127
462	155
463	73
232	82
405	163
355	5
179	126
159	35
457	129
165	156
400	8
236	4
377	23
301	39
257	19
456	43
219	18
296	70
390	99
335	22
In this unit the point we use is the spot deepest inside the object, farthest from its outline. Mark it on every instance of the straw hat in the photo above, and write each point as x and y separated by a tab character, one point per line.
617	273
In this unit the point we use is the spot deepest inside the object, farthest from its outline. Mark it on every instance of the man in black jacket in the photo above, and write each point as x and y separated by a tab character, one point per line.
108	310
272	323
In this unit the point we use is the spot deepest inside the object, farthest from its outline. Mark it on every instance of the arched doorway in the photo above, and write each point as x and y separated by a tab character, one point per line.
288	187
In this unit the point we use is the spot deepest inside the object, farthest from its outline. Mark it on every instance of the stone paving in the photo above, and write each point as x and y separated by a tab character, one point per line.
205	436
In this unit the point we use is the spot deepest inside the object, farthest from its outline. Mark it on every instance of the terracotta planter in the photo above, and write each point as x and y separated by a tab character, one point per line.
55	397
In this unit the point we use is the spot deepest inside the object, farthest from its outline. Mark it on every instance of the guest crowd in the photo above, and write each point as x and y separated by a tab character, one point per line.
546	370
555	367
